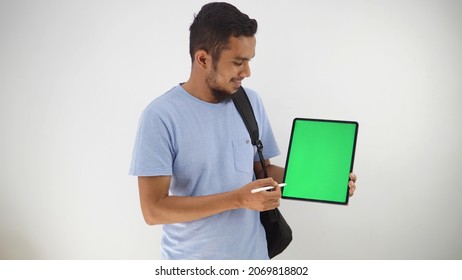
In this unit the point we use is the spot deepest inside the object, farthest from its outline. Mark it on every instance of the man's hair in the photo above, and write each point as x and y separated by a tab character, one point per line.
214	25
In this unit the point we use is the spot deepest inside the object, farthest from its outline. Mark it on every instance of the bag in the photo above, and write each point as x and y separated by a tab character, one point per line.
278	231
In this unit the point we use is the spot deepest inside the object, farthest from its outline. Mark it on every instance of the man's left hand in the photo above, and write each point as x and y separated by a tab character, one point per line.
352	184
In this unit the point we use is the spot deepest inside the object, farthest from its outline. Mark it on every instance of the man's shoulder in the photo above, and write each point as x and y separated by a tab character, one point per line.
166	97
164	102
254	97
251	92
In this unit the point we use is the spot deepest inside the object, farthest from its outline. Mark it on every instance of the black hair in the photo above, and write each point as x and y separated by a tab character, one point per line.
214	25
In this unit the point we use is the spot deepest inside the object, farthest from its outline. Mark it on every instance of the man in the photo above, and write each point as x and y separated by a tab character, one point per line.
193	156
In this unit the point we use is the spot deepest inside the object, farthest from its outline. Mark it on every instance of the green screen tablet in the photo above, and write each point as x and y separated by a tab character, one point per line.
319	160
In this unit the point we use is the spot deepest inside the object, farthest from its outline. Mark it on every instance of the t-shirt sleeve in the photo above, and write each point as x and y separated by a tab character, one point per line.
270	147
153	151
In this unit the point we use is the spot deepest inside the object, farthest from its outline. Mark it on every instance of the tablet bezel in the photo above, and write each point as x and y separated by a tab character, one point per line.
356	124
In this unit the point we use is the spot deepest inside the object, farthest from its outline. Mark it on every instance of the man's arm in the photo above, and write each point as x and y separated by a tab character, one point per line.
159	207
274	171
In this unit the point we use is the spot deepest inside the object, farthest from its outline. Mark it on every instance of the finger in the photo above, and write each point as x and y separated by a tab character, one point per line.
272	204
277	203
352	188
352	185
353	177
267	182
274	183
277	187
275	193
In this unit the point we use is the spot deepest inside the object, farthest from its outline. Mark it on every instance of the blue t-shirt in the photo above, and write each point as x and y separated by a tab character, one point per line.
206	148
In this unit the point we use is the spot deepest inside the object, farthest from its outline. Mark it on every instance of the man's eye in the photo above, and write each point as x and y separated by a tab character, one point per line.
238	63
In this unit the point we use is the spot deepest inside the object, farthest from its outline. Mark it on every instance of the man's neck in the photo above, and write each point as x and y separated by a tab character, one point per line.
199	90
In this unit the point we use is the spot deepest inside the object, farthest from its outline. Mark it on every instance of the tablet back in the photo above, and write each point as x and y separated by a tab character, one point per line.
319	160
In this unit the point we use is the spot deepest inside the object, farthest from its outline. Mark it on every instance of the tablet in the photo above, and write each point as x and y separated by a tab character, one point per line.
319	160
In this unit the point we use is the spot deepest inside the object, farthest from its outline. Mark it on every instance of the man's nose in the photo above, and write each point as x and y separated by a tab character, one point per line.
245	73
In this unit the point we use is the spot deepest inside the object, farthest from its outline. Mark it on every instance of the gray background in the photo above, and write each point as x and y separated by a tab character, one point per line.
75	76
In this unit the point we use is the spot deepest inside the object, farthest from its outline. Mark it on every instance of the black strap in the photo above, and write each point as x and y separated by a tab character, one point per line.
243	106
276	228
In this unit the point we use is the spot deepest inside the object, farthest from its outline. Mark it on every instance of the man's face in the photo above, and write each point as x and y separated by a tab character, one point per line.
225	77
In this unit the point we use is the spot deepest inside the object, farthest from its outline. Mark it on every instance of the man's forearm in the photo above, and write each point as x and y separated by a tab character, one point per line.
276	172
159	207
175	209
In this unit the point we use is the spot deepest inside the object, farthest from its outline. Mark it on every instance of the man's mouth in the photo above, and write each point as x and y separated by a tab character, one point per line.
237	82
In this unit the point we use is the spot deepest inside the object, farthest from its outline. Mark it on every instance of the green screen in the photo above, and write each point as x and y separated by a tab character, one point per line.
319	160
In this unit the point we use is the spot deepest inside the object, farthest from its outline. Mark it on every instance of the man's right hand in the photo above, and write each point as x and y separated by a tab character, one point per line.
260	201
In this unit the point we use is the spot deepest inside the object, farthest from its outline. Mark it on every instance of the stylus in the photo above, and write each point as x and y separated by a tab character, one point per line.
266	188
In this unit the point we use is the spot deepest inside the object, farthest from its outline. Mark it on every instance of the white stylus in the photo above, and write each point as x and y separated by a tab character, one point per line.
266	188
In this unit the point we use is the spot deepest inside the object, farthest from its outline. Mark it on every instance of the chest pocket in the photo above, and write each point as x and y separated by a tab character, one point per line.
244	154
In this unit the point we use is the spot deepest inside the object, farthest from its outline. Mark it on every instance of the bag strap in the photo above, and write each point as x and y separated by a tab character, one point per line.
243	106
272	220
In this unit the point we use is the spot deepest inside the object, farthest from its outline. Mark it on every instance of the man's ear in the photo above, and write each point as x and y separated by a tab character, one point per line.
203	59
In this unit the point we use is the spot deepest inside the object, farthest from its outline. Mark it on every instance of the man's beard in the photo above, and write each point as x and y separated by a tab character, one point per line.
221	95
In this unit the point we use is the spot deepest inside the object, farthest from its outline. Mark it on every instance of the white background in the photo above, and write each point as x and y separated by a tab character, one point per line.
76	75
